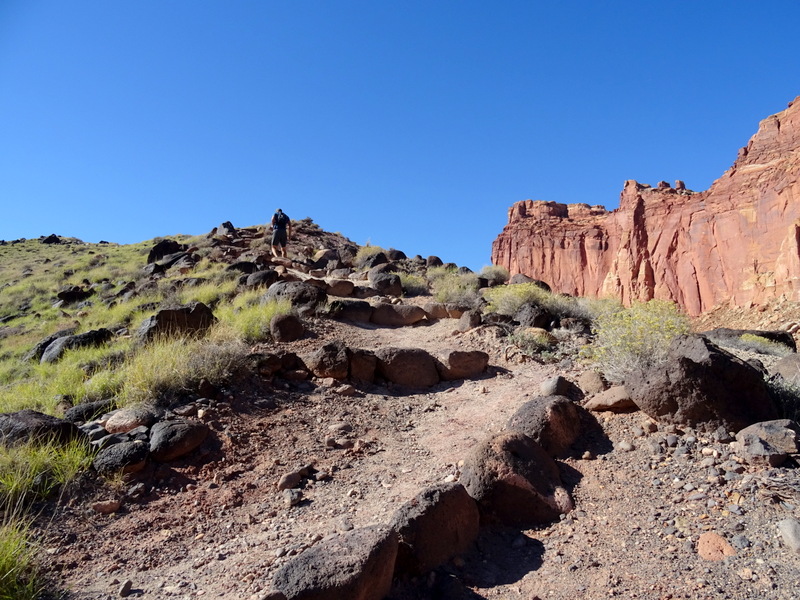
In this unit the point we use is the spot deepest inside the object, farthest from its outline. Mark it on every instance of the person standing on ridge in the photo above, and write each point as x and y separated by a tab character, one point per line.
281	232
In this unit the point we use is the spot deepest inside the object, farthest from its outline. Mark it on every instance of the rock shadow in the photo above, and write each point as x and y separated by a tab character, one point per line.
592	439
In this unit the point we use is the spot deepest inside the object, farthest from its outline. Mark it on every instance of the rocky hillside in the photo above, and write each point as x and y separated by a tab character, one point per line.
351	423
737	242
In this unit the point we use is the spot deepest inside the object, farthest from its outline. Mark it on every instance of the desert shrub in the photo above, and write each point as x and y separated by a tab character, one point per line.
248	318
532	342
172	366
32	471
786	397
209	293
434	273
413	284
508	299
18	576
366	252
496	273
456	288
762	345
635	338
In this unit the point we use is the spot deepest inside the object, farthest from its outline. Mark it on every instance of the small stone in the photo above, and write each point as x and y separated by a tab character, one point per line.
671	440
712	546
588	455
125	589
292	497
625	446
289	480
790	532
106	507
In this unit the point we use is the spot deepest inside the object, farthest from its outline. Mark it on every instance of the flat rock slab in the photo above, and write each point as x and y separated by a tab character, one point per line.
356	565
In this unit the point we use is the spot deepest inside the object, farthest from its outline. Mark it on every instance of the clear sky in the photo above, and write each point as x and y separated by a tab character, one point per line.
411	124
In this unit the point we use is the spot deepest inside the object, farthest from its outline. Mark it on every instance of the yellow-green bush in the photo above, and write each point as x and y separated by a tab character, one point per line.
762	345
508	299
413	284
635	338
454	288
248	318
496	273
531	341
171	366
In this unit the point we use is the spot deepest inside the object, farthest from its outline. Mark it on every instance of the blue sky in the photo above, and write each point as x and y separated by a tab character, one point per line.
408	124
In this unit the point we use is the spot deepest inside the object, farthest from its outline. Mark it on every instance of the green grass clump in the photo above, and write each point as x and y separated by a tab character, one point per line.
413	284
18	573
633	339
452	287
168	367
495	273
249	319
209	293
532	342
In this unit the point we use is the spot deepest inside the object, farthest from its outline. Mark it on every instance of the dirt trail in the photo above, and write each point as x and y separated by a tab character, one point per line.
219	528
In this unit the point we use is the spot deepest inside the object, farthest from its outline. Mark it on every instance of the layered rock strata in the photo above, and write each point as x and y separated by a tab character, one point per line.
737	242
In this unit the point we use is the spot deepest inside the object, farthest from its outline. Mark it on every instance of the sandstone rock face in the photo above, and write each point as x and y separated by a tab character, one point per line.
737	242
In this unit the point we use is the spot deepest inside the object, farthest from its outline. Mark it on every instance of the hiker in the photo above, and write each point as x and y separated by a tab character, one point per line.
281	232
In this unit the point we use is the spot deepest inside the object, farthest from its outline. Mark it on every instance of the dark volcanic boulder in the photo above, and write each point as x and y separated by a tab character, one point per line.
397	315
437	524
462	364
32	426
263	278
387	284
357	565
243	266
89	339
86	411
130	457
702	386
36	352
532	315
164	248
286	328
355	311
363	365
172	439
192	319
73	293
411	367
515	482
299	294
51	239
330	360
552	421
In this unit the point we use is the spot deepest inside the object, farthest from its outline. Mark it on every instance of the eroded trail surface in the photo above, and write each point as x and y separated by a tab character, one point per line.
218	527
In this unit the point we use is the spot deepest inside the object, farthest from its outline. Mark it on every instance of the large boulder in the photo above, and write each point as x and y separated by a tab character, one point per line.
192	319
286	328
437	524
363	365
73	294
299	294
702	386
263	278
533	315
89	339
387	284
355	311
357	565
86	411
128	457
461	364
164	248
170	440
515	482
412	367
340	287
552	421
36	352
329	360
125	419
32	426
397	315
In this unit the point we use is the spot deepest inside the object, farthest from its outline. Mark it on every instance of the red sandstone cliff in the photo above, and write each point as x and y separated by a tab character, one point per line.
737	242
